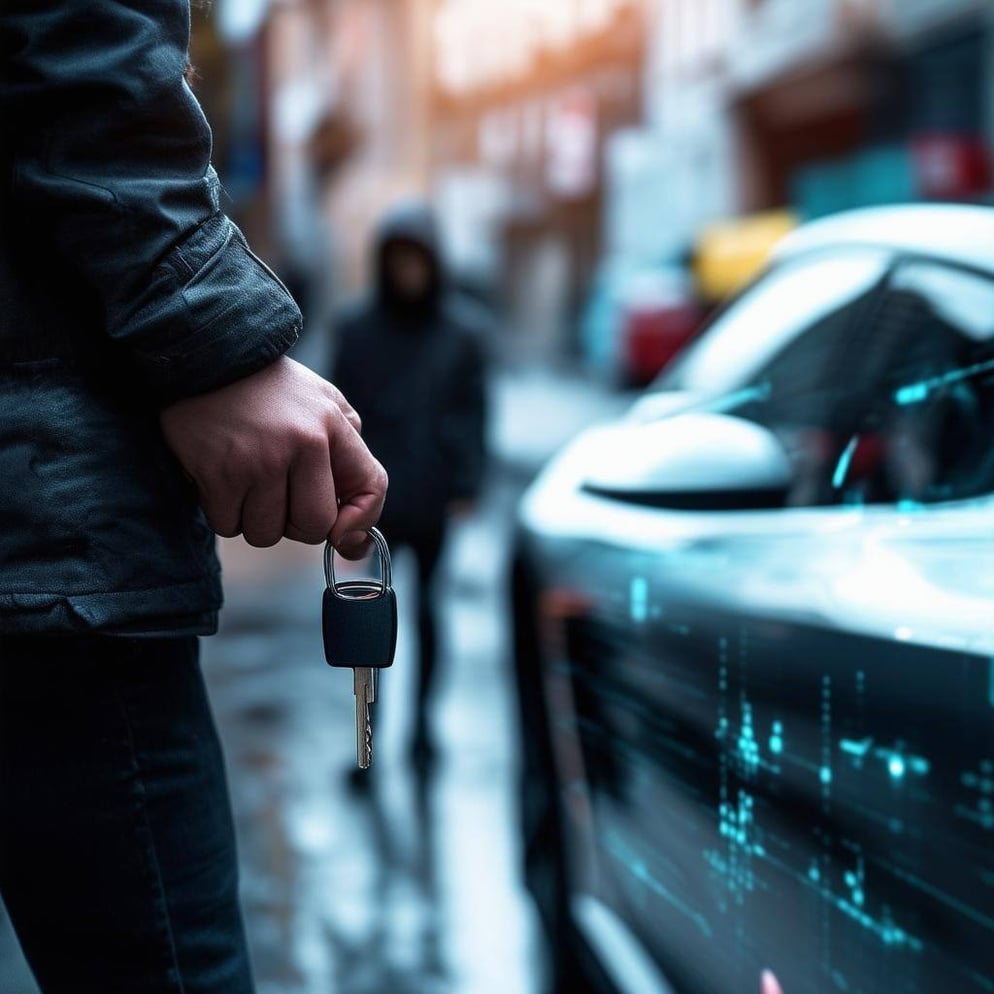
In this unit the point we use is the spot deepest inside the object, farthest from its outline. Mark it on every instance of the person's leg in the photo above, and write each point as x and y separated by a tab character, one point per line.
427	553
117	854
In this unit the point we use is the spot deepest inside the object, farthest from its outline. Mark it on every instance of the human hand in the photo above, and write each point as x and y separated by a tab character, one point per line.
279	454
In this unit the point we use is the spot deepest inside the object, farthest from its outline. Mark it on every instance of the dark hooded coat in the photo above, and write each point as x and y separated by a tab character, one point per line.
416	375
122	287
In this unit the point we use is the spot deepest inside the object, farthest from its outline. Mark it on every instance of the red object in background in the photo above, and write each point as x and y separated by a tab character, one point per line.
951	166
654	334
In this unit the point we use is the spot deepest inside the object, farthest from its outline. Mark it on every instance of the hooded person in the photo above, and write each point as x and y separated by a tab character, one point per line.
412	358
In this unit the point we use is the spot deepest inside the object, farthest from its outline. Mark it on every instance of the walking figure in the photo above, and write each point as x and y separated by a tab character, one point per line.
411	358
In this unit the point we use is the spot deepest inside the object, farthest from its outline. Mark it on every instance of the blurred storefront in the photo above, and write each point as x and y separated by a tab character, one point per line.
891	107
572	146
526	97
761	113
350	103
230	76
819	105
499	112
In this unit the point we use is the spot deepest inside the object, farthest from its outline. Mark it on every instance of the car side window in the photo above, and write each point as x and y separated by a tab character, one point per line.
925	430
774	320
798	343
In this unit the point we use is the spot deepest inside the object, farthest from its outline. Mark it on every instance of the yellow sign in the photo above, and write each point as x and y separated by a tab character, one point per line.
731	253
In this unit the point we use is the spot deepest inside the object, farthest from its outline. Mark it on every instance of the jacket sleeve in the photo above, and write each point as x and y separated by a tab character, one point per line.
111	158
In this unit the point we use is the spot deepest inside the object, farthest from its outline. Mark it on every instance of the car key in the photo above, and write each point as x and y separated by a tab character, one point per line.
359	622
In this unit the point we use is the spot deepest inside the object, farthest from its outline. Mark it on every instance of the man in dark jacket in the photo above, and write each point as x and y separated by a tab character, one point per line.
145	404
412	358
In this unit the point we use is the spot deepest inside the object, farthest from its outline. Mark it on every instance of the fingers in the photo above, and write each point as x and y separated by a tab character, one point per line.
340	401
361	485
334	490
281	456
350	536
222	508
264	513
313	505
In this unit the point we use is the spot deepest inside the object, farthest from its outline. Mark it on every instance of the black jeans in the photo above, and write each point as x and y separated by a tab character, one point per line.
117	851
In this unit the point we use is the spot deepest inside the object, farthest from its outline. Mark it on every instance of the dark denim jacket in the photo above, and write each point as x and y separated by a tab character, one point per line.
122	287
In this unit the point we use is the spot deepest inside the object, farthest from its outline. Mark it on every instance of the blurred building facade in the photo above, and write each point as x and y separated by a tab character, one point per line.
350	103
561	139
526	96
819	105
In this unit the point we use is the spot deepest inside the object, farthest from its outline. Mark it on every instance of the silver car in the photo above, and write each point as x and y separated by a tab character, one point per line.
755	639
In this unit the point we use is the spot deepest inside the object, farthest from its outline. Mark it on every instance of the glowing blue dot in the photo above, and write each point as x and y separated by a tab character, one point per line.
896	767
776	744
913	394
814	874
825	775
857	896
639	599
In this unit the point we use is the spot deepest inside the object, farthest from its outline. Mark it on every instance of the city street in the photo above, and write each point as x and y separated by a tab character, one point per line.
412	885
719	678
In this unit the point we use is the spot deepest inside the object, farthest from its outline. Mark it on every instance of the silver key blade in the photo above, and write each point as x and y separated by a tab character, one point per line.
364	683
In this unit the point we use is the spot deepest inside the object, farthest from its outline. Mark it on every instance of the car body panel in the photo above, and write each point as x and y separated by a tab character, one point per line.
772	731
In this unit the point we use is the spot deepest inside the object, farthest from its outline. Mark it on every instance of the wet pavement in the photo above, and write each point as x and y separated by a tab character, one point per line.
413	884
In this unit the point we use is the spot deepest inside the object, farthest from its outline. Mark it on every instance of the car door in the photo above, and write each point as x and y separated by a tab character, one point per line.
774	730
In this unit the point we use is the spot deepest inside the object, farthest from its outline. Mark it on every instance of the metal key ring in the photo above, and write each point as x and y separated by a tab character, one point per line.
383	551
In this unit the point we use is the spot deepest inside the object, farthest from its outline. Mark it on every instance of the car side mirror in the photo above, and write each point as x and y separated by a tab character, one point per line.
693	462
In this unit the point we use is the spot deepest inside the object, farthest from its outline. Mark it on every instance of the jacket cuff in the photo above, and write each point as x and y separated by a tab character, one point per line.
212	314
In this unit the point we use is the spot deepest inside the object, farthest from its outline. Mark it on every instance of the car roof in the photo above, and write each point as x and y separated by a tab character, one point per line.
956	233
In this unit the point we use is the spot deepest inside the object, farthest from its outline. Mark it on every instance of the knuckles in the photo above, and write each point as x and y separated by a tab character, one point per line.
262	540
312	442
308	536
381	481
312	524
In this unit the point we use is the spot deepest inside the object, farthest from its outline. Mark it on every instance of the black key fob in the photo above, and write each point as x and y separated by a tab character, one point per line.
359	617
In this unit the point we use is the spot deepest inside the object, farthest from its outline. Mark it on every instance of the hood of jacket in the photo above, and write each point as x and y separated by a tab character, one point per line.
410	223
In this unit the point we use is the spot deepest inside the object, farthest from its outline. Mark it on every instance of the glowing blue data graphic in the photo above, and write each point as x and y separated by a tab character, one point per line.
774	796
